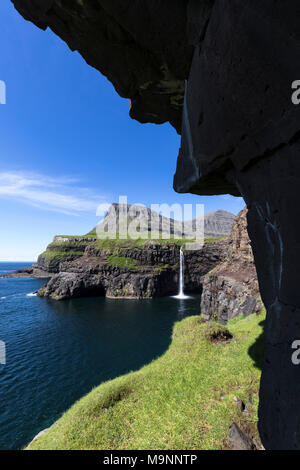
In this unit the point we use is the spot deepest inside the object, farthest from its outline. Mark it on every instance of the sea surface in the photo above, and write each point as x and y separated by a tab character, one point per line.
56	352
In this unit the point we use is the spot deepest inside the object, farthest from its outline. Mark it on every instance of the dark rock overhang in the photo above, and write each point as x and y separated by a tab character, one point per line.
234	62
144	48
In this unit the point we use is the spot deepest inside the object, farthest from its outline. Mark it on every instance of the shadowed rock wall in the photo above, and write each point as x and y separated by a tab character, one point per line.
231	288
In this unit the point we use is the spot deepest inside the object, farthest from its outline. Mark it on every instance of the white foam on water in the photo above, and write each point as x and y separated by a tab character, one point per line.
31	295
181	297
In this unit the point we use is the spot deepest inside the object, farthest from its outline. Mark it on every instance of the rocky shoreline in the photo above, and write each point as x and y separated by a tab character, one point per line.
33	271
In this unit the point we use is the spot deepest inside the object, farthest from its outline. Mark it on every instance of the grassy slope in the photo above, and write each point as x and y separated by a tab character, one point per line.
119	243
182	400
111	246
60	254
122	262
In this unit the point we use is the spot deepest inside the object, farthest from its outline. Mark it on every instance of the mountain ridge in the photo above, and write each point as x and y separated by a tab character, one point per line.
120	216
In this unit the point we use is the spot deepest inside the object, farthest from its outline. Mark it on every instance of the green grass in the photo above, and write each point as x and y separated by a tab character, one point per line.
213	239
119	243
56	255
183	400
122	262
115	246
93	234
62	246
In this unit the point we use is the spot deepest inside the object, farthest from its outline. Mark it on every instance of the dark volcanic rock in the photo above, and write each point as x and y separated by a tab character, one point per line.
271	190
141	49
67	285
110	282
238	103
51	265
33	271
231	288
241	136
60	250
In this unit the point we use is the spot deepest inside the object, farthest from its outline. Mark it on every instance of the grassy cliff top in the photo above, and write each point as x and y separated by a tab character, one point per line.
186	399
127	242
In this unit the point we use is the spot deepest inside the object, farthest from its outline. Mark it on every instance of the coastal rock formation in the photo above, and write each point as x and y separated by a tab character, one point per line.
81	266
32	271
240	132
231	288
111	282
129	269
62	249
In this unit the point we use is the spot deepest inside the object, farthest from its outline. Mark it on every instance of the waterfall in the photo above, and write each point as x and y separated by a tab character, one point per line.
181	278
181	275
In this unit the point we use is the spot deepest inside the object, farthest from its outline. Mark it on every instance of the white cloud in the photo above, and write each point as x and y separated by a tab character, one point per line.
63	195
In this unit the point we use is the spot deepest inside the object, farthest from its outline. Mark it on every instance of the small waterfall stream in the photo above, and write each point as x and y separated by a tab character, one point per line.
181	294
181	275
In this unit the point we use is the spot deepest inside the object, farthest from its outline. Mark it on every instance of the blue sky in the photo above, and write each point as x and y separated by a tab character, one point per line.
68	144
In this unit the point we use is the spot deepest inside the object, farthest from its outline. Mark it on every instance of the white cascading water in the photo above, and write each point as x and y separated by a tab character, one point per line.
181	278
181	275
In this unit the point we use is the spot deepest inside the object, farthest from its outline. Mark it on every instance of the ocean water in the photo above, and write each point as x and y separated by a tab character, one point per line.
56	352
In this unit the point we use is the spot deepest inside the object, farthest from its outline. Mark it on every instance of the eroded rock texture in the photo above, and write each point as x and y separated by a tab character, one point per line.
231	288
240	132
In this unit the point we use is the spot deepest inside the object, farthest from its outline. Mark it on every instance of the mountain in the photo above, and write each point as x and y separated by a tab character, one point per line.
120	216
216	223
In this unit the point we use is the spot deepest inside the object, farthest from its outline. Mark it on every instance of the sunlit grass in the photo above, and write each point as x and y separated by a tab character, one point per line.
183	400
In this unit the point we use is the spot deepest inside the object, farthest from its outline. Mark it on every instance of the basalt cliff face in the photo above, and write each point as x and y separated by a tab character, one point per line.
231	288
126	269
119	266
240	132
